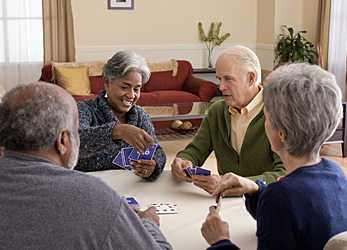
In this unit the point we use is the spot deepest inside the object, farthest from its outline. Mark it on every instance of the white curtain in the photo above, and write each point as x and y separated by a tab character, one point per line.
338	42
21	42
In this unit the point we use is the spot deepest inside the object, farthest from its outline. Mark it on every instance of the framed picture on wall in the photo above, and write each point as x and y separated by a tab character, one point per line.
120	4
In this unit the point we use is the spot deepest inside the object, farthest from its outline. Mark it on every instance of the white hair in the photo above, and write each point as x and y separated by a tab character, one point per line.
245	57
305	103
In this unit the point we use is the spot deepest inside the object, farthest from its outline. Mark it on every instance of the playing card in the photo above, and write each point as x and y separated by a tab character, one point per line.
149	152
119	160
202	171
134	155
165	208
187	171
126	152
193	170
147	155
132	202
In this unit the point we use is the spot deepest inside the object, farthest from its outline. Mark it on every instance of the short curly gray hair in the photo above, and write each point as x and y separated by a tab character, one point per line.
124	62
32	115
305	103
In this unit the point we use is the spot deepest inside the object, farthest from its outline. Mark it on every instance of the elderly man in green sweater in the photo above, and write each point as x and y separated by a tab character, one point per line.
233	127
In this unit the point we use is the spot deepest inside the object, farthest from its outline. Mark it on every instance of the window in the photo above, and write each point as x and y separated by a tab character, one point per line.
21	33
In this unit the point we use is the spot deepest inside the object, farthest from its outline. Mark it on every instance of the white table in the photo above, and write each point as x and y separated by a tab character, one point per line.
183	229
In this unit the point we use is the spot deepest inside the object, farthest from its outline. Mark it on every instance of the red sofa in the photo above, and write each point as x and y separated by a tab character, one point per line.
162	88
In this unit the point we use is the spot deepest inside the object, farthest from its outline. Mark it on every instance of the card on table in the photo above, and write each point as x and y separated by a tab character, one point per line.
165	208
133	202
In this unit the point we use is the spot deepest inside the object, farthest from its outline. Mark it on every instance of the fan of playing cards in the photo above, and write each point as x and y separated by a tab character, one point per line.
126	155
190	171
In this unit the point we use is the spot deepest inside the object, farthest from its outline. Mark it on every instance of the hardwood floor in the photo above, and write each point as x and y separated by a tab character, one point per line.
172	147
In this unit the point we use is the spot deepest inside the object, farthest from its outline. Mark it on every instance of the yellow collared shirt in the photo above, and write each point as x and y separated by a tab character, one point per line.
241	120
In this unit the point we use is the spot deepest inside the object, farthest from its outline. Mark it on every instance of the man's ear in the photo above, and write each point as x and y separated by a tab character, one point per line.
252	78
63	142
282	136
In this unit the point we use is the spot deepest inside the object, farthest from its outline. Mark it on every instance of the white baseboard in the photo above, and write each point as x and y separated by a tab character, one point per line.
195	53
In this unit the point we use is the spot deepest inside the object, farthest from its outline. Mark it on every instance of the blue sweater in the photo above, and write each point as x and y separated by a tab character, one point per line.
301	211
97	148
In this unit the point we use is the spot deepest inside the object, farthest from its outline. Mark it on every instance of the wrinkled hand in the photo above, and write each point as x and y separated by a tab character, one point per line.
143	168
234	185
149	214
136	137
214	229
177	167
207	183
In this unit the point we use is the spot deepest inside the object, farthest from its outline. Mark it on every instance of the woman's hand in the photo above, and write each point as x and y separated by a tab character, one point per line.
214	229
143	168
207	183
234	185
136	137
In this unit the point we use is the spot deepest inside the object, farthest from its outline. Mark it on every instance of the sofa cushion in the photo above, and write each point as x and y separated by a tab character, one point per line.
75	80
96	84
164	97
165	81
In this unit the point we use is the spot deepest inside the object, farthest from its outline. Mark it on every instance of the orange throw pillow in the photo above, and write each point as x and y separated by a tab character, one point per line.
74	79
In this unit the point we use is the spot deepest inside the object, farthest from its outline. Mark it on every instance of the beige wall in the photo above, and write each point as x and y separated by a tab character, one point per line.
161	21
300	14
265	21
163	29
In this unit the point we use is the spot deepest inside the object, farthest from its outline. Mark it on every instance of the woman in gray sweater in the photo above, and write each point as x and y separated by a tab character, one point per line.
113	121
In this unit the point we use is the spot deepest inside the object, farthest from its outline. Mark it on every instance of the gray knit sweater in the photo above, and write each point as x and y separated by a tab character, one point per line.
45	206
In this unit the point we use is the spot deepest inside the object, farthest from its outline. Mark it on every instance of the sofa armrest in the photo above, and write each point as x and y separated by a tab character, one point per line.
206	90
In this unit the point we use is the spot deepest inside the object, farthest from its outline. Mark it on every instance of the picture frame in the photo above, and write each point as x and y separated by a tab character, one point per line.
120	4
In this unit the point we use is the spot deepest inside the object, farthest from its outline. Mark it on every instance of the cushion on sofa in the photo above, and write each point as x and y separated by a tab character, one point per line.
166	97
75	80
165	81
96	84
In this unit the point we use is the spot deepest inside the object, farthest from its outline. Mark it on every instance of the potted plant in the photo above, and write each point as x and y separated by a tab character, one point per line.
294	47
212	39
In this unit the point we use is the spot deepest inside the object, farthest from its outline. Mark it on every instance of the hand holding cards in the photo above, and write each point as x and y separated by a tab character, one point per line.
190	171
126	155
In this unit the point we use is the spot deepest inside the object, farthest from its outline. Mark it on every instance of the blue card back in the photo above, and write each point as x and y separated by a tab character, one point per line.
202	171
118	160
134	155
126	153
148	154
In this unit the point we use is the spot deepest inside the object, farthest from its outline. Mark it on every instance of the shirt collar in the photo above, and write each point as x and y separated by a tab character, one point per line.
256	101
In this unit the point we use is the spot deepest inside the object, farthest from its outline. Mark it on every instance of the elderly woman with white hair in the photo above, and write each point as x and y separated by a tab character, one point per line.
113	121
308	205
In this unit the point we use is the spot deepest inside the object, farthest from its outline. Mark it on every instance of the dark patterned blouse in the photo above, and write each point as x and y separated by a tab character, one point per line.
98	149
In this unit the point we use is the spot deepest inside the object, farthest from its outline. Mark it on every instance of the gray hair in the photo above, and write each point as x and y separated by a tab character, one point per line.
305	103
124	62
247	58
32	115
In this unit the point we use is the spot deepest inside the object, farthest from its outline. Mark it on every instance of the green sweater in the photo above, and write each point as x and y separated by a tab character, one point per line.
256	159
